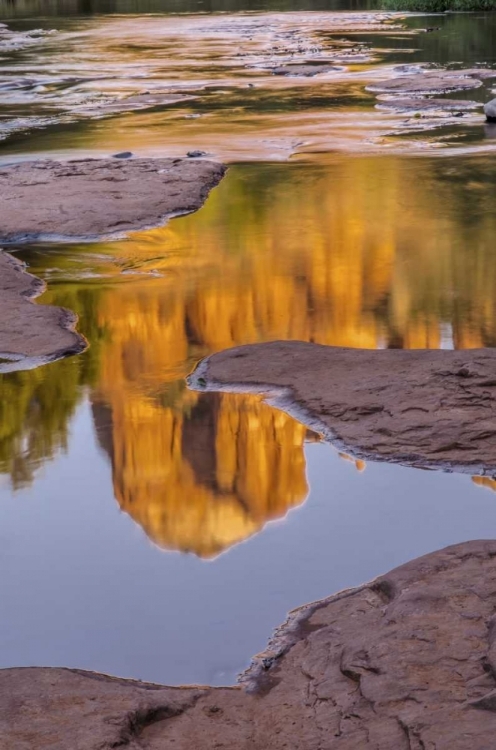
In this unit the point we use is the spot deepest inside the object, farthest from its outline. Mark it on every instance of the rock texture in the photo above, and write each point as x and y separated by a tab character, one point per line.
406	662
98	197
31	334
434	81
419	407
305	70
424	104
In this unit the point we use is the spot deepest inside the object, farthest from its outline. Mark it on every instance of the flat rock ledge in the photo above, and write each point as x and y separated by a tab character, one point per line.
434	81
423	408
406	662
31	334
423	104
92	198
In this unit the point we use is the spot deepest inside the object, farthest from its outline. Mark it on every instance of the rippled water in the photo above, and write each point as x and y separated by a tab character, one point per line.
100	84
145	528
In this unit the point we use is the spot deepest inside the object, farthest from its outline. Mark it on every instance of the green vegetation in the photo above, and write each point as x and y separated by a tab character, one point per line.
438	6
36	406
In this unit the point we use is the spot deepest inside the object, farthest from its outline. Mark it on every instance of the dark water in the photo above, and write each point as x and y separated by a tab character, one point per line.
40	8
159	533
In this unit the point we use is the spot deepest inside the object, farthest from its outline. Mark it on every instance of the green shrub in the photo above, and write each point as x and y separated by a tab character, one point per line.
438	6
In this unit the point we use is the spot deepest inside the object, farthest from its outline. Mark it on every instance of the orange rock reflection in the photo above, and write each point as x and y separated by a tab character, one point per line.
203	480
488	482
327	258
354	253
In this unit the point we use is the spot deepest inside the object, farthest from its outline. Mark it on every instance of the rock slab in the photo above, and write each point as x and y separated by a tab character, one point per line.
435	81
92	198
426	408
406	662
31	334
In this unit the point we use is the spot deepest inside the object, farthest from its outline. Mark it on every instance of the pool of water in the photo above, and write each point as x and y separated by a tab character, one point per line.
154	532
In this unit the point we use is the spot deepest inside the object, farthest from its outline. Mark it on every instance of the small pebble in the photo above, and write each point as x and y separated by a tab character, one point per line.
196	154
123	155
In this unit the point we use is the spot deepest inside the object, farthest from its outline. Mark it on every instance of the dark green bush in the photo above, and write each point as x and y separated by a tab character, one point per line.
438	6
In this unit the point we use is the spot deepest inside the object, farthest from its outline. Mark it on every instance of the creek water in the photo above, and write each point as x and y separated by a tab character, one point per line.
150	531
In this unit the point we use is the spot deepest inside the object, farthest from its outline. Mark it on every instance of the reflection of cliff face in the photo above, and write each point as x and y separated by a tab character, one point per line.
487	482
331	258
205	479
358	253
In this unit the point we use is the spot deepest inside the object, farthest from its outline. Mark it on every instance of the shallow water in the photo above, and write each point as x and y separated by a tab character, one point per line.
79	85
154	532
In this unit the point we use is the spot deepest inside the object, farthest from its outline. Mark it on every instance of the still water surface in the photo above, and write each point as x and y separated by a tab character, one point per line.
153	532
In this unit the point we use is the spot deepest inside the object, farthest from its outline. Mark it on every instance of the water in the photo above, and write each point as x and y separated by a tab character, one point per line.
153	532
79	85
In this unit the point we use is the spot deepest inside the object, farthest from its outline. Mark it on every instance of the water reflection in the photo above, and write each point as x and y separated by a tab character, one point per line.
162	86
359	252
206	478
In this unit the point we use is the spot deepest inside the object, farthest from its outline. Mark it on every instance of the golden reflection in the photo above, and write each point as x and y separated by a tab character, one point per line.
488	482
360	464
355	253
206	478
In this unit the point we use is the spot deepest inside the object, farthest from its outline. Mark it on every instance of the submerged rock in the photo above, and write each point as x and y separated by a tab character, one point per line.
31	334
306	70
490	110
420	408
434	81
420	104
426	83
406	661
44	198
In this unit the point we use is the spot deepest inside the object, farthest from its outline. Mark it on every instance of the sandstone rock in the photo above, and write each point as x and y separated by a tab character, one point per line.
482	74
405	662
490	110
31	334
425	83
98	197
434	81
421	104
419	408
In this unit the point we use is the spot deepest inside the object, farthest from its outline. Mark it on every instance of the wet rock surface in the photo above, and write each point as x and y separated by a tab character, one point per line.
99	197
425	84
421	104
406	661
31	334
434	81
417	407
306	71
490	110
